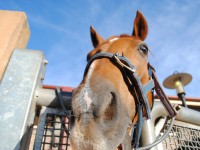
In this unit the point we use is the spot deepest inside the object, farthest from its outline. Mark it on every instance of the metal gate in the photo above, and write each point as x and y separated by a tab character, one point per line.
21	91
182	136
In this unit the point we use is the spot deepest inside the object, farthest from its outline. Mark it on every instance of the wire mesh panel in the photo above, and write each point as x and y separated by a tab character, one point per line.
183	136
53	132
56	132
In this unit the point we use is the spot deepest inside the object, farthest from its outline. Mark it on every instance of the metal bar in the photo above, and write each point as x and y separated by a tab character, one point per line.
24	72
48	98
148	133
44	139
188	115
61	132
40	129
53	133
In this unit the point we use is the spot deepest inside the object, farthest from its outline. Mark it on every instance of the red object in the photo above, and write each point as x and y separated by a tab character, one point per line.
71	89
192	99
63	88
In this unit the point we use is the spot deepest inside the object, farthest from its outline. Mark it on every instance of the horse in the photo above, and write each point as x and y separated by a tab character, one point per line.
103	106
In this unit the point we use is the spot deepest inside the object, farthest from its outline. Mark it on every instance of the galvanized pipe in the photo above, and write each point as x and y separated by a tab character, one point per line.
158	111
188	115
148	133
48	98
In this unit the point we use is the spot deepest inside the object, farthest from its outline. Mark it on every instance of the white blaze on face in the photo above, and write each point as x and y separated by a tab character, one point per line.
87	100
114	39
87	90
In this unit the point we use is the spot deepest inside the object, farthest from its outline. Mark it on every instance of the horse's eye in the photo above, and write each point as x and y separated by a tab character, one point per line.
143	48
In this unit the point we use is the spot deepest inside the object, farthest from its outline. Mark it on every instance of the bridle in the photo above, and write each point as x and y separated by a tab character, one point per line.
138	91
131	78
129	73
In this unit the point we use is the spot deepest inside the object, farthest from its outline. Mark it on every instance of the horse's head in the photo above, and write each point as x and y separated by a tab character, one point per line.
102	104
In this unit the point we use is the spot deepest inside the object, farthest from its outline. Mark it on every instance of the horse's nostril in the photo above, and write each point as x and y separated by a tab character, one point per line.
113	99
111	109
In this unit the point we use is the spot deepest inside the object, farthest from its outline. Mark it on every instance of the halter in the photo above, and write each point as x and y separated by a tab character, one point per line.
133	82
131	78
137	90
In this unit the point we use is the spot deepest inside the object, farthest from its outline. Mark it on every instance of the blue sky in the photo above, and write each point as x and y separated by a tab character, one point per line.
61	29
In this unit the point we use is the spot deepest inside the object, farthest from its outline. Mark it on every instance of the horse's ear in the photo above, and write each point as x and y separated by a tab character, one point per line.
96	38
140	28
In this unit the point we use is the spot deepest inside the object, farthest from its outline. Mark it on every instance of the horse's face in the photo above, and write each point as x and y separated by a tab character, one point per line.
102	104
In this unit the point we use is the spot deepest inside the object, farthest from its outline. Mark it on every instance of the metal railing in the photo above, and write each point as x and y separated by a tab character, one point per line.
185	133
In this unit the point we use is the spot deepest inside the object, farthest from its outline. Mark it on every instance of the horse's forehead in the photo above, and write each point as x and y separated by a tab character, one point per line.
121	39
119	43
113	39
128	47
